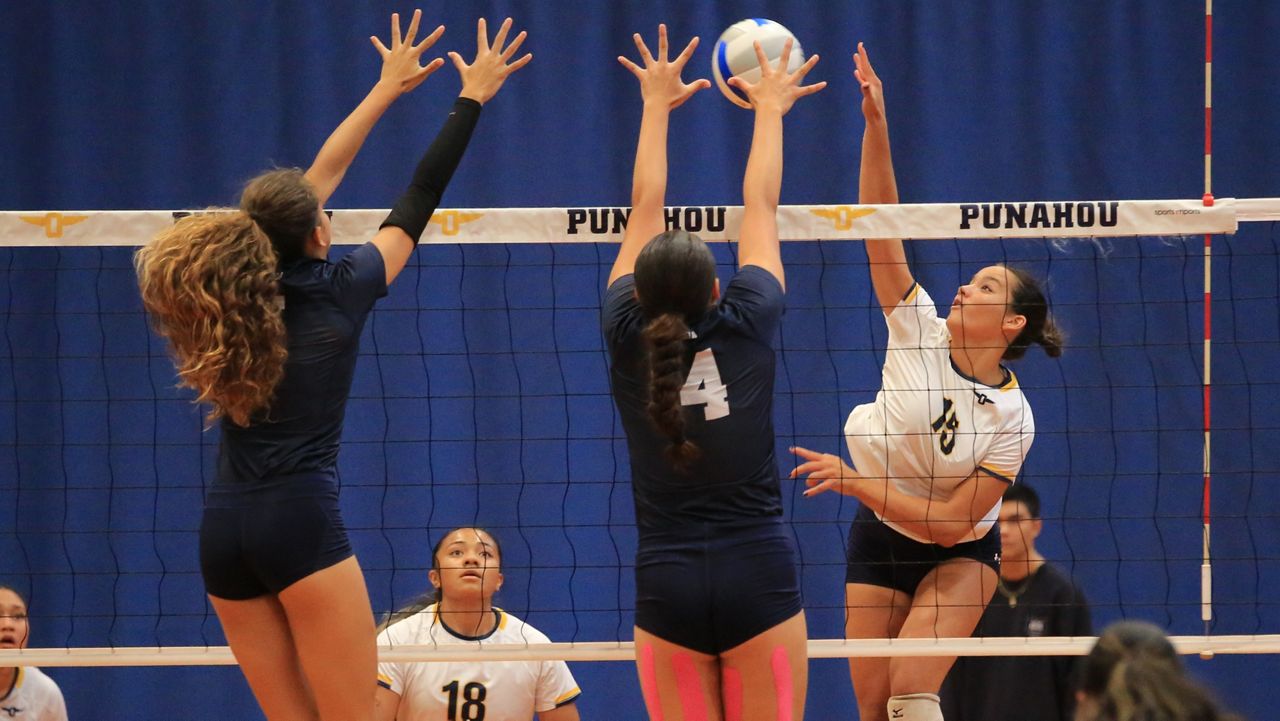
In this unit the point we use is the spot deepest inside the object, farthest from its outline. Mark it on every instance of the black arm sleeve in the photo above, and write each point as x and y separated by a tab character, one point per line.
413	210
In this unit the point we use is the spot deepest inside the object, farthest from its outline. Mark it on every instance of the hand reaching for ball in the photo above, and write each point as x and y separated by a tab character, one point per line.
777	88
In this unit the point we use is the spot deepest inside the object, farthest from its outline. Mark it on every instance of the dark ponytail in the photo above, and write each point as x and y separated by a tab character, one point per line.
675	276
1027	300
285	206
667	335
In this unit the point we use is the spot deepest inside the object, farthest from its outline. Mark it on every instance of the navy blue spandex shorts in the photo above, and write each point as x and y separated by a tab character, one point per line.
880	556
264	538
711	587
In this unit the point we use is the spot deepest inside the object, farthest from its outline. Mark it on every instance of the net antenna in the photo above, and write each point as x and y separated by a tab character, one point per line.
1206	564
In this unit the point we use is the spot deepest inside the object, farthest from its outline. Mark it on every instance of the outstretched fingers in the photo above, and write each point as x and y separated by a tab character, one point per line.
865	74
645	55
798	77
804	69
636	70
761	57
501	37
520	63
784	59
485	75
413	28
514	46
863	59
687	53
688	90
395	31
482	35
429	40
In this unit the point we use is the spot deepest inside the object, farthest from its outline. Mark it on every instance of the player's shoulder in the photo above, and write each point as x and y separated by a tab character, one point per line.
34	676
409	628
515	630
1012	402
916	316
756	278
918	297
39	683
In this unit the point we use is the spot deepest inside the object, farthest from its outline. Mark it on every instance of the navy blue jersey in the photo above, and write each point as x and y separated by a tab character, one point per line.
728	406
325	306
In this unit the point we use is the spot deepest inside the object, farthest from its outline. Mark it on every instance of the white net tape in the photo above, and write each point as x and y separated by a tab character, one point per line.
1041	219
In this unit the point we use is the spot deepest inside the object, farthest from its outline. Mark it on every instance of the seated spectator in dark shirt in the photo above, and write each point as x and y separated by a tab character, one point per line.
1033	598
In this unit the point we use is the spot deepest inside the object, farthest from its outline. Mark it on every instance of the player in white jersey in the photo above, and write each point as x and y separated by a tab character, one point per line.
935	451
466	572
26	694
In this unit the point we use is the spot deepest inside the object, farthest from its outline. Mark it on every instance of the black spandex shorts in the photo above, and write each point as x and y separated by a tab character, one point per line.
880	556
260	540
710	588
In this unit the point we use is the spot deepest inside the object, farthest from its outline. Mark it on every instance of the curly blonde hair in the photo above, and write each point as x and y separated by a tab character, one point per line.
211	286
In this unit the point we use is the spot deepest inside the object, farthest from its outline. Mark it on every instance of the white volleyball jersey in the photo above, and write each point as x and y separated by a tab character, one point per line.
34	697
466	691
931	426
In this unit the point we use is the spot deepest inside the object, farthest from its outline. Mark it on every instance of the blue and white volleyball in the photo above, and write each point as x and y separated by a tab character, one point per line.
735	54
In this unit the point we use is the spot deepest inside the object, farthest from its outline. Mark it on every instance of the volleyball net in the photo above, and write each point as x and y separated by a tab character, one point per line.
482	398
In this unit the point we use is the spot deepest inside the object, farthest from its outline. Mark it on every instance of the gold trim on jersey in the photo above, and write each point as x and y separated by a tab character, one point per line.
568	696
998	474
1010	384
17	683
911	293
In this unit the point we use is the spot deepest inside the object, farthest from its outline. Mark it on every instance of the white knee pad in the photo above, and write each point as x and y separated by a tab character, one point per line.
915	707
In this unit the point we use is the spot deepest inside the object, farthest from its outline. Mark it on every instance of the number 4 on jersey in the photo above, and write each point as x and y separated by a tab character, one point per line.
704	387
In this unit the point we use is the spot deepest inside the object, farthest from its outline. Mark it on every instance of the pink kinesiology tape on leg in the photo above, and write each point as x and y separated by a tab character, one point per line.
782	683
689	686
649	683
731	692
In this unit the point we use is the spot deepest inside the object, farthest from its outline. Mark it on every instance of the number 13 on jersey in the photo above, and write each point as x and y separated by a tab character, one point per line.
704	387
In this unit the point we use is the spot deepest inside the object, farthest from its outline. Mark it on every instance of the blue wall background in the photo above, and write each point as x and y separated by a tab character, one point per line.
482	396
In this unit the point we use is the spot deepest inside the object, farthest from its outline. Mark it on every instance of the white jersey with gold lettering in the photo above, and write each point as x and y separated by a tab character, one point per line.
34	697
468	691
932	426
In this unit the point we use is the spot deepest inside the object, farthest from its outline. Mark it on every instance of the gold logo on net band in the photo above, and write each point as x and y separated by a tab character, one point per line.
842	216
53	223
451	221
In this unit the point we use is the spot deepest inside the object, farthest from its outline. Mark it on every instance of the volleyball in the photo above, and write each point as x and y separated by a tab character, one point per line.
735	54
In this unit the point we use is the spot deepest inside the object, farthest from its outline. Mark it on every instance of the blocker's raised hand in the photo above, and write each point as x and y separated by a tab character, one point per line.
869	82
660	78
400	68
482	79
777	87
